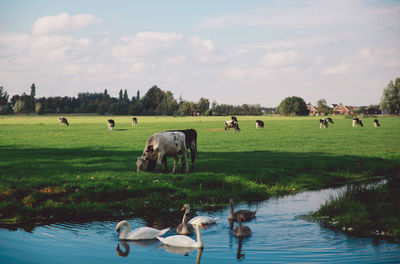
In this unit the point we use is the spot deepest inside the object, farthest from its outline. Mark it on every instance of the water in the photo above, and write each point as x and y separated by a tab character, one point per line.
278	236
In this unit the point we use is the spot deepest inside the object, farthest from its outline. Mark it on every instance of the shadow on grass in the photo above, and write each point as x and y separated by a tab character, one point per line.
91	184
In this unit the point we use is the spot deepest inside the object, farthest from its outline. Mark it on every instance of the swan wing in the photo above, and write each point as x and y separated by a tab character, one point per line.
178	241
202	219
145	233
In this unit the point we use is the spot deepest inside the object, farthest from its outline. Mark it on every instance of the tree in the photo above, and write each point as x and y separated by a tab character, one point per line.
120	98
322	106
20	107
391	97
294	106
203	105
126	98
4	105
33	94
38	108
138	95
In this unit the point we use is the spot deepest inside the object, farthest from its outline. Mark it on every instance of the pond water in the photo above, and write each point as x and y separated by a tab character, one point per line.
278	236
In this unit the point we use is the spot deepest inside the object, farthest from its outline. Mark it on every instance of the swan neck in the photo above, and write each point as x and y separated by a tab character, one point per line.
231	210
125	232
198	233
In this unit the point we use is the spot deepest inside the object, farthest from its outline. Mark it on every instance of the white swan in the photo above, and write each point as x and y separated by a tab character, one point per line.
184	241
138	234
203	219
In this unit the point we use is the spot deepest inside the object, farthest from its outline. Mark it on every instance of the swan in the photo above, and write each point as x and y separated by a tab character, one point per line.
141	233
184	241
203	219
184	228
246	214
241	230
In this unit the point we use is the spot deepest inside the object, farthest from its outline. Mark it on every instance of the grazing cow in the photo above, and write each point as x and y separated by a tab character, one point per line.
232	124
259	123
134	121
161	145
63	121
233	118
357	121
376	123
323	123
111	124
329	120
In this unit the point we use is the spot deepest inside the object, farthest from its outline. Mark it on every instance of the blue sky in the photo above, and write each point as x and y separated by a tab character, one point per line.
234	52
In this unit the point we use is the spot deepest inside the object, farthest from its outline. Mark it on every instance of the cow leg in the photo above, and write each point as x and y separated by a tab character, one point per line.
193	153
159	162
185	160
175	163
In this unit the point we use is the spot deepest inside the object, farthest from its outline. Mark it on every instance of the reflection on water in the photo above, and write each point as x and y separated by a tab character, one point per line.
278	236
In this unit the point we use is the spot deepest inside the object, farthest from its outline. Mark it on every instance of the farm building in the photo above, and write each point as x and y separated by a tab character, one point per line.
313	111
372	111
341	109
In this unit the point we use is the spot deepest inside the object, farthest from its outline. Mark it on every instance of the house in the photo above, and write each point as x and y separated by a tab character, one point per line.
313	111
341	109
372	111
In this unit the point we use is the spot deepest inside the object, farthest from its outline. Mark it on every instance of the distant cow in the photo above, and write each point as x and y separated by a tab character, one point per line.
232	124
376	123
357	121
111	124
329	120
134	121
233	118
161	145
63	121
191	143
323	123
259	123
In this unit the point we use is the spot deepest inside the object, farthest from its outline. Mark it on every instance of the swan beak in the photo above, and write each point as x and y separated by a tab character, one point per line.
203	226
183	208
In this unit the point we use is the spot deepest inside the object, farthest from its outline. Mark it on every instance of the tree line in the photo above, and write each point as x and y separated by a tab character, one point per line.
154	102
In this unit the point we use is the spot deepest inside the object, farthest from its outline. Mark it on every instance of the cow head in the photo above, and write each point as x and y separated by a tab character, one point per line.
142	163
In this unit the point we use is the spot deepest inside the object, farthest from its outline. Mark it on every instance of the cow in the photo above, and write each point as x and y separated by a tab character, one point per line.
233	118
232	124
63	121
323	123
191	143
329	120
376	123
357	121
134	121
161	145
259	123
111	124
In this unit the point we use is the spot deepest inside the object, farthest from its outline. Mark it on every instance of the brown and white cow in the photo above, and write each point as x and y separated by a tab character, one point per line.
259	123
162	145
376	123
111	124
134	121
323	123
191	143
357	122
63	121
232	124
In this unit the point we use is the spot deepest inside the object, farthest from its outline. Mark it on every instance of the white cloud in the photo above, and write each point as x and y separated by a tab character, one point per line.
281	58
63	23
343	68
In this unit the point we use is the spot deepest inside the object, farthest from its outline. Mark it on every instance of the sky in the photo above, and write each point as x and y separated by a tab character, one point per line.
231	52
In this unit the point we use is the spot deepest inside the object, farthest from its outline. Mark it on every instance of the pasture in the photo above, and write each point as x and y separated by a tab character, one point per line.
85	172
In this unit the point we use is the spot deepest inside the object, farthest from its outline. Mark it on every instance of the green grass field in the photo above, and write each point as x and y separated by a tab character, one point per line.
85	172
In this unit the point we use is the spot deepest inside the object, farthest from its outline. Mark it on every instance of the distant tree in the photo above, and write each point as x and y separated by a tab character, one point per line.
152	99
391	97
138	95
294	106
126	98
120	98
33	94
21	107
105	93
185	109
5	107
38	108
322	106
203	105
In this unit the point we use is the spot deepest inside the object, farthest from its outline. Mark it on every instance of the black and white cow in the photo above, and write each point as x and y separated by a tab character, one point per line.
111	124
329	120
162	145
376	123
134	121
232	124
259	123
63	121
191	143
233	118
357	122
323	123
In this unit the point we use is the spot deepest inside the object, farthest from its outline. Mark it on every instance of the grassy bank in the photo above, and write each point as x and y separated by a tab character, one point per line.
364	210
85	172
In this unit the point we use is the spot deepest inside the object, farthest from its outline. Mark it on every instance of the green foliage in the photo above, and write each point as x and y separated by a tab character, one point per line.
391	97
293	106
